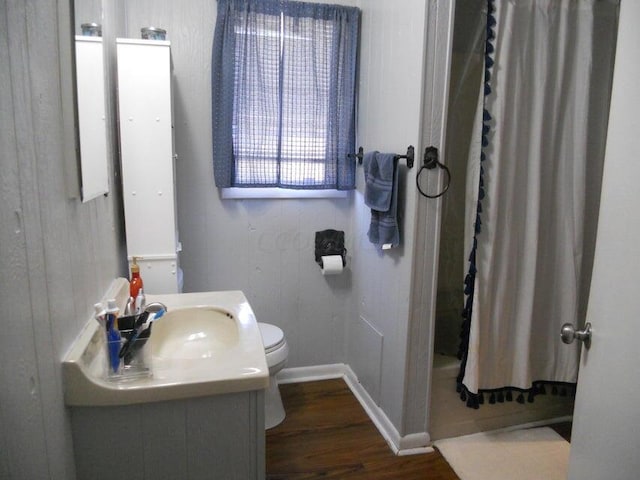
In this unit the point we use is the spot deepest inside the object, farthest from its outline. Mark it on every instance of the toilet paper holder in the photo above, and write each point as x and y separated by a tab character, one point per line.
330	242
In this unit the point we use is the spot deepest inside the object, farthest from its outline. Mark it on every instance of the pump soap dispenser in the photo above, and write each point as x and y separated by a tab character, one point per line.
135	284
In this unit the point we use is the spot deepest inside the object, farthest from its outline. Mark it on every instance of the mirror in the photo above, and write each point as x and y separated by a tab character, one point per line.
90	97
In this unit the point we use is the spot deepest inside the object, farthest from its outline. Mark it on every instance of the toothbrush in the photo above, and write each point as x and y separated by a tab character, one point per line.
113	335
140	336
135	347
137	328
157	315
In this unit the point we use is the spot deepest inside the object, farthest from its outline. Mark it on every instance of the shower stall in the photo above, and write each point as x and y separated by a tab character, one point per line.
519	71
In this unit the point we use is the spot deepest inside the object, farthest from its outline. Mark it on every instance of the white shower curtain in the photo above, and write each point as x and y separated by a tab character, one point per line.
541	127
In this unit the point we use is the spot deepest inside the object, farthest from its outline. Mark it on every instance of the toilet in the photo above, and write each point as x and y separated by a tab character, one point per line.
276	351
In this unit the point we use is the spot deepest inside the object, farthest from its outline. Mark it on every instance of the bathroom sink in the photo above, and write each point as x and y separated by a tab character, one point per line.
206	344
194	333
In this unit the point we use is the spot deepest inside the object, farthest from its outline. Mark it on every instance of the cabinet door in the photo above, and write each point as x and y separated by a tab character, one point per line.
91	117
144	99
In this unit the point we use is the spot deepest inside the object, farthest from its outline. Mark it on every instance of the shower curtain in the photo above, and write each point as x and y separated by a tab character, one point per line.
533	188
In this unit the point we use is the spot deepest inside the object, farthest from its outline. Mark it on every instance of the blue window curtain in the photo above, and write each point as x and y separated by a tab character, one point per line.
283	94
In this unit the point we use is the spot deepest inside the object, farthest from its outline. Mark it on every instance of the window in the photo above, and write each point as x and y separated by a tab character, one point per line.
283	93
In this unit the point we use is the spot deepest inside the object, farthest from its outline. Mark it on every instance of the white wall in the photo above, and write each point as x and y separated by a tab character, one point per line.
57	255
265	247
390	104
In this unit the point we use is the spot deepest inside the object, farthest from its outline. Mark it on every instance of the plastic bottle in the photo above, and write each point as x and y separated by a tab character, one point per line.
135	284
100	315
140	300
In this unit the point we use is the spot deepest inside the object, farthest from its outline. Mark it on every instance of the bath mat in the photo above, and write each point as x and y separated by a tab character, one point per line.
530	454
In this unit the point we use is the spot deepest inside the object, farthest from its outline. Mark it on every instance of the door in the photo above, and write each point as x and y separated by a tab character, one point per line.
606	424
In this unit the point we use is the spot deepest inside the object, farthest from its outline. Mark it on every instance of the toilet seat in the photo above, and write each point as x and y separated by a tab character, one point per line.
272	337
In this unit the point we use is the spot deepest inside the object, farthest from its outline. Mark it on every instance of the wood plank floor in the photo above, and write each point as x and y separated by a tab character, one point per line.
327	434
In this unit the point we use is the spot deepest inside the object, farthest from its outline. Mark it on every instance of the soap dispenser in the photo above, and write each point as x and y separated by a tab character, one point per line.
135	284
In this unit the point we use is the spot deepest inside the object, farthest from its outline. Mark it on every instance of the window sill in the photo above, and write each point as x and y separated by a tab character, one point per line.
279	193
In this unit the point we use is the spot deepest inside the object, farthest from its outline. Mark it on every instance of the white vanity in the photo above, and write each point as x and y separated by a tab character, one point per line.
201	412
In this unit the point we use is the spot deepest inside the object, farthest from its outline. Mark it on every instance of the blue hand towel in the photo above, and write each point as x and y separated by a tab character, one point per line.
381	188
378	177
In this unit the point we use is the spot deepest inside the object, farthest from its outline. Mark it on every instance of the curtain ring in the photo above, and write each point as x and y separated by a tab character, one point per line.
430	162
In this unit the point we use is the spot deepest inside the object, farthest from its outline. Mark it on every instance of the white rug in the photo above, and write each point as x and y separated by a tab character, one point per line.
531	454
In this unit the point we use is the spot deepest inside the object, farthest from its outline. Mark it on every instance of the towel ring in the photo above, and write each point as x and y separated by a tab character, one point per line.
429	162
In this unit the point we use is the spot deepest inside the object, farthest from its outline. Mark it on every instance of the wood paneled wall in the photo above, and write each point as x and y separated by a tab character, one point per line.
57	255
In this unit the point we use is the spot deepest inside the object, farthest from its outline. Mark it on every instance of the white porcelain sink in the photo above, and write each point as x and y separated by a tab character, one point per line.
206	344
194	333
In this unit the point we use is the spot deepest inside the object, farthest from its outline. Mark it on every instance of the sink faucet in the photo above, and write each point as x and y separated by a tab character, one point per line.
155	307
130	310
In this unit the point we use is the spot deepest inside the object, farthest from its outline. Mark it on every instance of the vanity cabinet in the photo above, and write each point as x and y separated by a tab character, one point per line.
148	161
201	413
216	437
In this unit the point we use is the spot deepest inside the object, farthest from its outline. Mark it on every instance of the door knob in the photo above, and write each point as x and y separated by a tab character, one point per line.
568	333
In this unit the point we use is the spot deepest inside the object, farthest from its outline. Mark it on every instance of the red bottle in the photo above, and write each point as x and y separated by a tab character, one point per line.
135	284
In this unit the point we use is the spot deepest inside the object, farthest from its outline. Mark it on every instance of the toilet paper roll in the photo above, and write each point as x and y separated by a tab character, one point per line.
332	265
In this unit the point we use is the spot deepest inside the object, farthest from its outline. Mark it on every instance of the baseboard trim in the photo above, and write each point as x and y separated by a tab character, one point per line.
310	374
412	444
